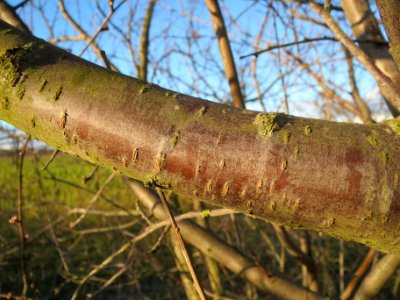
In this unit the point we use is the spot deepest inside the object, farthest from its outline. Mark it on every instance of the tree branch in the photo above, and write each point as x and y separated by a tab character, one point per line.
390	12
377	277
389	89
144	41
226	255
8	14
365	26
338	178
226	52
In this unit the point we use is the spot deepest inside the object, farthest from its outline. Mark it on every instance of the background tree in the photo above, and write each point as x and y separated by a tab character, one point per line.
337	178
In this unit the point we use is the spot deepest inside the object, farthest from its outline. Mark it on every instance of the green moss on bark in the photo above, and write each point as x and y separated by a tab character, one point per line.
394	124
266	124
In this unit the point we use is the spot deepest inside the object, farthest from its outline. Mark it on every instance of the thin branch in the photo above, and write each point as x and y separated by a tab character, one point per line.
21	4
364	25
226	52
102	26
148	230
330	93
92	202
90	40
20	219
295	251
378	276
108	282
86	179
390	11
358	275
181	244
52	157
364	109
210	245
305	41
281	76
144	41
105	59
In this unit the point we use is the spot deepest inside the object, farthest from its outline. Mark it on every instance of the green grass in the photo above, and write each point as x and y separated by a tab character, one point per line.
51	185
48	195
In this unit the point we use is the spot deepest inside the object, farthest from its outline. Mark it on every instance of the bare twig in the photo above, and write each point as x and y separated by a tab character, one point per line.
281	76
364	25
21	4
181	244
389	11
226	255
90	40
85	179
20	220
10	296
101	27
364	110
52	157
254	64
304	41
295	251
91	203
105	59
148	230
108	282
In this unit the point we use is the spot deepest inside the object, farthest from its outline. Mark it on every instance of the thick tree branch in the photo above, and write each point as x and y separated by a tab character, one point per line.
8	14
390	12
341	179
365	27
389	89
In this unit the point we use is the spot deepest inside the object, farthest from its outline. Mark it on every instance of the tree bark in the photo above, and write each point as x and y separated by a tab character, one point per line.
341	179
365	27
7	13
390	13
389	89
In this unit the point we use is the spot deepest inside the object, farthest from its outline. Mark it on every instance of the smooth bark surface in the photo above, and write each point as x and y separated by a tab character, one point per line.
338	178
